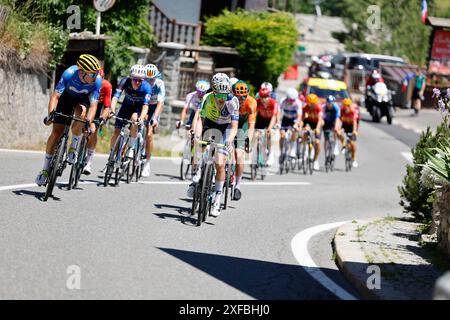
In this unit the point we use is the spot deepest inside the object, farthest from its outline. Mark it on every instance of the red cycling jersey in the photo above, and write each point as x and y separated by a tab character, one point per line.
348	115
312	114
105	93
267	111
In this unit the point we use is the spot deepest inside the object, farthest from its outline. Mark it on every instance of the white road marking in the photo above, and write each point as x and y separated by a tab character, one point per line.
101	155
408	156
32	185
299	246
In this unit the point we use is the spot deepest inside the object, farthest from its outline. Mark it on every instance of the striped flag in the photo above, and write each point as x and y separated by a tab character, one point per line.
424	11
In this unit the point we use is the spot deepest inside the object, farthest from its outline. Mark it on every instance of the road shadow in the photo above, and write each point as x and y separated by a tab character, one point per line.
171	176
259	279
38	195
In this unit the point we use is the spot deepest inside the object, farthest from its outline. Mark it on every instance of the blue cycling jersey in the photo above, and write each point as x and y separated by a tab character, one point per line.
331	115
71	83
141	95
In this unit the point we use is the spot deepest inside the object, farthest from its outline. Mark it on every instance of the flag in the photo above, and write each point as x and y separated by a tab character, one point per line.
424	11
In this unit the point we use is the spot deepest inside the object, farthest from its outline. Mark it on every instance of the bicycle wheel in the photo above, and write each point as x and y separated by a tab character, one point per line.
195	200
327	155
81	161
110	164
205	192
227	184
253	171
310	159
57	162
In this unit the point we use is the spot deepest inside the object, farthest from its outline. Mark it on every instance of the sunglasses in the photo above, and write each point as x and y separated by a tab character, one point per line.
137	80
90	75
220	96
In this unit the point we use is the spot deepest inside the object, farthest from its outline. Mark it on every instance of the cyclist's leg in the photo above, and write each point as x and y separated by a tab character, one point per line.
92	141
317	144
240	158
77	128
149	137
282	137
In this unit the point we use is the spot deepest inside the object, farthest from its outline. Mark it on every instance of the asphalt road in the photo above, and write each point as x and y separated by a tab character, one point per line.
138	241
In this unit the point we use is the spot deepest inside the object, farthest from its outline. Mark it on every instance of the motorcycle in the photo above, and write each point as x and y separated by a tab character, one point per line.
379	102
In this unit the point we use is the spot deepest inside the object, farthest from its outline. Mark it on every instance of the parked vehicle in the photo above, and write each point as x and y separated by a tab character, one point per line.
359	61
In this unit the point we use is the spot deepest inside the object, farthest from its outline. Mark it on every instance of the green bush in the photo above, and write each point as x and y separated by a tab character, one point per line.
266	42
415	197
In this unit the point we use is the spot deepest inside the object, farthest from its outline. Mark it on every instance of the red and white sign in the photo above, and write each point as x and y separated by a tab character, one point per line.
441	45
103	5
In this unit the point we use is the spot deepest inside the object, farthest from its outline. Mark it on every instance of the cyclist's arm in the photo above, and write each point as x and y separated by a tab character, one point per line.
143	112
117	94
183	114
160	105
233	131
107	101
53	102
252	120
93	99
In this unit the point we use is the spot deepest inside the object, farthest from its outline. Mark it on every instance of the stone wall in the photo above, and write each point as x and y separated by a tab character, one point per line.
24	99
441	217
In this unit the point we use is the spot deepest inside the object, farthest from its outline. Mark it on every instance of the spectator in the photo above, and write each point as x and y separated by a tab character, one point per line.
418	91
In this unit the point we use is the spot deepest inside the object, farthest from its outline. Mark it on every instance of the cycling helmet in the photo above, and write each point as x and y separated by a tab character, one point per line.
221	83
151	71
312	98
267	85
137	71
202	86
88	63
331	99
233	80
240	89
292	94
347	102
264	92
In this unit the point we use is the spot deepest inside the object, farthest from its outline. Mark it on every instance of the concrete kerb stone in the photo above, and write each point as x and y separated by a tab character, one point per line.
350	256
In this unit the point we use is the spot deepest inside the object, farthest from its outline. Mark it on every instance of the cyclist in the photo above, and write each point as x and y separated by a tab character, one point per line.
155	108
77	92
331	116
349	118
103	112
219	113
246	130
313	117
266	116
269	86
291	110
193	101
135	104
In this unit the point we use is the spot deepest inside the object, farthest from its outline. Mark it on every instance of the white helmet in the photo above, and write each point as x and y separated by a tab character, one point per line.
202	85
233	80
292	94
137	71
267	85
221	83
151	71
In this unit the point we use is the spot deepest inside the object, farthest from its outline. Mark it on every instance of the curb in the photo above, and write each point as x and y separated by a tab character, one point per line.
351	259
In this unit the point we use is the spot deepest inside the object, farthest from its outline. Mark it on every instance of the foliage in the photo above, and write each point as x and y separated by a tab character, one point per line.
401	31
416	197
265	41
439	159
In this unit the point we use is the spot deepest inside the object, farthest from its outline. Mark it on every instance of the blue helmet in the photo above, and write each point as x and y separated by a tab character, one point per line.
331	99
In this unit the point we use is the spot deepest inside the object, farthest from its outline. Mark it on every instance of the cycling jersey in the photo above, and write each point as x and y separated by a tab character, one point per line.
247	113
71	83
267	111
291	109
273	95
331	115
140	96
312	114
193	101
105	93
228	113
348	115
159	91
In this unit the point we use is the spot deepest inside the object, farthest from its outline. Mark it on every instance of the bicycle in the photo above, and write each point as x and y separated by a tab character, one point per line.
59	162
186	160
204	189
118	160
347	153
308	151
229	179
330	142
259	161
139	156
286	162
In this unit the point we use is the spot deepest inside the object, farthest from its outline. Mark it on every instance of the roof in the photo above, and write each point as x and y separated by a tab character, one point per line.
317	33
397	72
372	56
438	22
327	84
